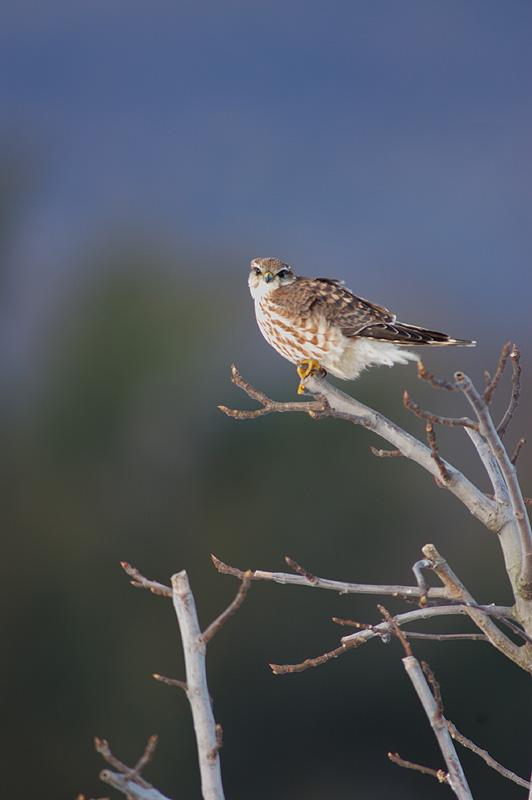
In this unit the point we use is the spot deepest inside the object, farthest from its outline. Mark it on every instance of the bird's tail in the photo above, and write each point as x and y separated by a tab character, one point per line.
399	333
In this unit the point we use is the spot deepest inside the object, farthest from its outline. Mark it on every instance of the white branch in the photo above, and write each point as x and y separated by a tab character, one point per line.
194	649
384	628
509	474
456	777
490	463
129	787
342	587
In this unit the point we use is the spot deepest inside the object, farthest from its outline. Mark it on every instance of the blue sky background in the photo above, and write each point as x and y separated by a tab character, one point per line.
387	143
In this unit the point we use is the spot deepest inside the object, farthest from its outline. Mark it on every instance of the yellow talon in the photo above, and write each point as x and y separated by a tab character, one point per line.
305	368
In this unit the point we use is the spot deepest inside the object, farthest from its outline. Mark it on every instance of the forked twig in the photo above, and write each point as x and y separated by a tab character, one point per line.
437	419
131	773
314	408
128	779
508	472
481	618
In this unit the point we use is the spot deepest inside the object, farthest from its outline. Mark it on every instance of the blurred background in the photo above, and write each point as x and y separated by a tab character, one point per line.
149	151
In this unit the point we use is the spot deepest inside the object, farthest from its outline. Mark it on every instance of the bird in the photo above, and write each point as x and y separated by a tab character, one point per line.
321	326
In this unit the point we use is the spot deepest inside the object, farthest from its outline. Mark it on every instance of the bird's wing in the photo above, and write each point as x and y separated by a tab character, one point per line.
354	316
328	298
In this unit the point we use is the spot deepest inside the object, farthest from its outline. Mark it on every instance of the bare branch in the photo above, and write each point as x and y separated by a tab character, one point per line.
417	569
463	422
128	779
439	774
102	747
240	596
315	409
341	587
436	637
383	629
287	669
492	384
515	358
396	629
194	649
385	453
517	450
432	706
433	683
145	758
456	777
300	570
431	438
424	375
144	583
332	402
480	618
170	681
486	756
447	637
487	429
490	465
131	790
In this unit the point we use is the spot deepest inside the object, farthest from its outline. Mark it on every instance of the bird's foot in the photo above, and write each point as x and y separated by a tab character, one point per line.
305	368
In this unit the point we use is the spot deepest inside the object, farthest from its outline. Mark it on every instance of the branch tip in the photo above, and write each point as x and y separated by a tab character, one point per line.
492	383
439	774
170	681
300	570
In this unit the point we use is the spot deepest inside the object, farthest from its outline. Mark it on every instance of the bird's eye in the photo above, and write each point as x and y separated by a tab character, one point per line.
256	270
282	273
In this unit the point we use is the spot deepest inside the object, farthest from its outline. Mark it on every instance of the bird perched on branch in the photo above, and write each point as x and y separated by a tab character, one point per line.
318	324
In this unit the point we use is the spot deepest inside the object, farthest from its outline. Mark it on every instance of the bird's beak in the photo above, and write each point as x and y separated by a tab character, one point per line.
268	277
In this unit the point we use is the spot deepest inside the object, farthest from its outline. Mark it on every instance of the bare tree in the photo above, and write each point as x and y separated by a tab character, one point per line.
502	512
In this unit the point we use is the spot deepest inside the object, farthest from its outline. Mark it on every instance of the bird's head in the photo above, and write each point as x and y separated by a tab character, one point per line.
268	274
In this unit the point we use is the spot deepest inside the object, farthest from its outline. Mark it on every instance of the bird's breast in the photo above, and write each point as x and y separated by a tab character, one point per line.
298	337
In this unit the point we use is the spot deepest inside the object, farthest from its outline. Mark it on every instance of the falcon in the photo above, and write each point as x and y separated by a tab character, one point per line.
319	325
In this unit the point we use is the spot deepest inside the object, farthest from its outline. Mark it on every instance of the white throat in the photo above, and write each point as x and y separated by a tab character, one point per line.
258	292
